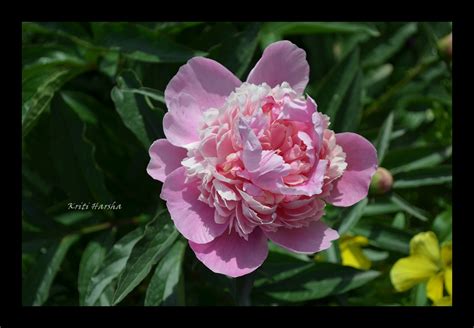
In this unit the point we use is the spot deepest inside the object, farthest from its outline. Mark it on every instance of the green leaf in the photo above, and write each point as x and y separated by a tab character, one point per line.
71	29
384	237
300	28
237	51
377	75
140	43
132	108
40	277
113	265
383	139
73	156
442	225
166	284
350	113
150	93
335	86
409	208
158	237
399	221
423	177
83	105
278	267
380	209
268	37
91	260
333	253
72	217
317	281
274	248
421	161
385	50
375	255
175	27
419	295
63	32
351	216
40	54
39	84
107	296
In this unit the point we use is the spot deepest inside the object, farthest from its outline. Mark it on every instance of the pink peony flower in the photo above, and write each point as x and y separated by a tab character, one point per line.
247	162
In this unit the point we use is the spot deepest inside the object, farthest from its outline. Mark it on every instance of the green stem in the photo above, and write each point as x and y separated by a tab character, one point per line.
243	289
107	225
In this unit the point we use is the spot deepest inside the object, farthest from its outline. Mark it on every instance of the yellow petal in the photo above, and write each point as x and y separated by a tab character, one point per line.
448	280
434	288
409	271
447	254
353	256
347	240
445	301
425	244
360	240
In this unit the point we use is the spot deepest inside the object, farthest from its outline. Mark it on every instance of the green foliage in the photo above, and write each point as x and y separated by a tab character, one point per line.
93	102
159	235
113	264
129	99
167	284
287	279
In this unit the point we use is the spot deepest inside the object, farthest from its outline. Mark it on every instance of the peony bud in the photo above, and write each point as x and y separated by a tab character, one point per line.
382	181
445	46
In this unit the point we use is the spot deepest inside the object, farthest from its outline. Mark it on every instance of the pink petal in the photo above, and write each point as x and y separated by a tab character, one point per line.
193	218
264	167
231	254
361	158
307	240
298	110
200	84
282	61
252	149
311	187
164	159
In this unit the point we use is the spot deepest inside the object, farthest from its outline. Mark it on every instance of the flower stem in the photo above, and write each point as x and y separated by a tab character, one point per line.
243	289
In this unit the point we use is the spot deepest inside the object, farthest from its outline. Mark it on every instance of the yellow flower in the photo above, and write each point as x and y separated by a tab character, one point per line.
351	252
427	262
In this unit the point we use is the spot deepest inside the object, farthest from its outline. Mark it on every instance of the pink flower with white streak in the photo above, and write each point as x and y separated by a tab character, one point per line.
247	162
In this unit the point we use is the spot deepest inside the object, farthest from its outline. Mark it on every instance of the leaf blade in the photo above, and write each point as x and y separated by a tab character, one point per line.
41	277
159	235
237	51
383	139
352	216
36	102
140	43
73	156
112	266
91	260
316	282
135	113
423	177
334	87
164	285
409	208
388	238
